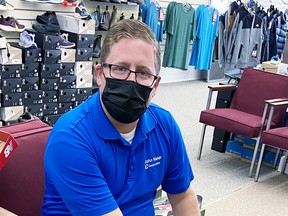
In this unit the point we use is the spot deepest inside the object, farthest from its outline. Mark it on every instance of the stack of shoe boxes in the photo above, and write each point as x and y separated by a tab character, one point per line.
10	82
48	76
81	32
31	93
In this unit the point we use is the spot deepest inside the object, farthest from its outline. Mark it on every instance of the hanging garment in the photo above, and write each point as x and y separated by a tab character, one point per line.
222	39
206	33
167	50
281	28
150	16
248	43
181	29
240	13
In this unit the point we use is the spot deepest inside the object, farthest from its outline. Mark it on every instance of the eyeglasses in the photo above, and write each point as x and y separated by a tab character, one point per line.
120	72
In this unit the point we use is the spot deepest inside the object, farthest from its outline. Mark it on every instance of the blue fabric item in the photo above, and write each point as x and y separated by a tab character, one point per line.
207	19
91	170
150	15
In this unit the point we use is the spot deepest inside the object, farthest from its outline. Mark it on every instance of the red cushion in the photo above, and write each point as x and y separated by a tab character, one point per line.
232	120
277	137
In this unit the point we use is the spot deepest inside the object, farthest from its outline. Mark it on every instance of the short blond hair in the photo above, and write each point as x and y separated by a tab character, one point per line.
133	29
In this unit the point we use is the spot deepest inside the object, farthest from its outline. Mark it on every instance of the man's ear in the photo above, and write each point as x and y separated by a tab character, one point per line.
157	81
98	74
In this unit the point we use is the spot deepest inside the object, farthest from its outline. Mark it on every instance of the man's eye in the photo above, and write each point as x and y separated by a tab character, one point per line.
143	74
120	69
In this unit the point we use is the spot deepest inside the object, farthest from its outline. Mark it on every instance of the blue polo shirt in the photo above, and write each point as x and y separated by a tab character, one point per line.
91	170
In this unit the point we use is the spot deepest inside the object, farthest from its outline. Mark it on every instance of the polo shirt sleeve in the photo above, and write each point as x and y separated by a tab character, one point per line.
73	170
179	172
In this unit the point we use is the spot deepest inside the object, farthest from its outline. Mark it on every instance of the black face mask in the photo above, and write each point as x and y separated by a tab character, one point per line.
125	100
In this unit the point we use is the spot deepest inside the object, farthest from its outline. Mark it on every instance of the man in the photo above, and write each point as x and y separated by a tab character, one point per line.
109	155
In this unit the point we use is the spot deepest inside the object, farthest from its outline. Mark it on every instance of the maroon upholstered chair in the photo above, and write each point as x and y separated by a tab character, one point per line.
275	137
246	114
22	178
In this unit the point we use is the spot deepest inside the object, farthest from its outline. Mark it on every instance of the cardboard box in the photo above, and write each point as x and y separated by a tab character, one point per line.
234	148
29	55
75	25
12	99
10	71
268	156
83	68
280	68
11	113
7	146
68	55
51	119
30	70
14	56
85	81
80	40
45	41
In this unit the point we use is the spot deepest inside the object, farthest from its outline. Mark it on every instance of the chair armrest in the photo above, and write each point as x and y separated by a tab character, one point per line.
222	87
275	100
273	103
280	103
217	88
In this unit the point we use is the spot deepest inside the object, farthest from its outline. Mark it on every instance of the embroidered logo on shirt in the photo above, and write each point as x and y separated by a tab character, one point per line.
151	162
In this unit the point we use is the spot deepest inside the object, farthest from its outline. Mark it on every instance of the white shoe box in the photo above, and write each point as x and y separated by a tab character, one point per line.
11	55
76	25
68	55
84	81
11	113
83	68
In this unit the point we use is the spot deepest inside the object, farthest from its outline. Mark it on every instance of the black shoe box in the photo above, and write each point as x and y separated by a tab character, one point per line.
50	96
30	70
32	97
35	109
52	56
10	71
78	102
66	95
29	55
67	82
29	83
11	99
51	119
83	93
84	54
11	85
46	41
49	70
65	107
49	83
67	69
81	40
50	108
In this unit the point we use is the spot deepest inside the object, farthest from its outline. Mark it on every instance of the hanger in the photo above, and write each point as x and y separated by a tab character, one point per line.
186	5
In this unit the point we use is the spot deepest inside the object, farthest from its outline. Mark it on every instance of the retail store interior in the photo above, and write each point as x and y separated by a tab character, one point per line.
221	176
